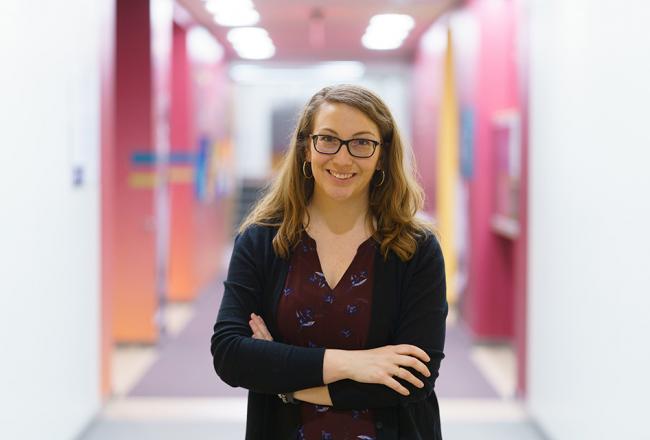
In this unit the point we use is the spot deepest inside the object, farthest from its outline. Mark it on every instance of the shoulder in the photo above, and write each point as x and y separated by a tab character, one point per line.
427	244
257	241
428	253
257	233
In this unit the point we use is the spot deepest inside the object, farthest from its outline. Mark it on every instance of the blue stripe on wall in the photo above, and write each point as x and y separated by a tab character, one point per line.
151	158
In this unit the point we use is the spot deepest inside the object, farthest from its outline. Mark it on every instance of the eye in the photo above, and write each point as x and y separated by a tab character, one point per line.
326	138
363	142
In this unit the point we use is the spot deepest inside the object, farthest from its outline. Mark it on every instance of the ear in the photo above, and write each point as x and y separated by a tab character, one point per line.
308	153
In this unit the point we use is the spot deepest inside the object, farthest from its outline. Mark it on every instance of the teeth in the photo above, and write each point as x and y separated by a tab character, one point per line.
341	176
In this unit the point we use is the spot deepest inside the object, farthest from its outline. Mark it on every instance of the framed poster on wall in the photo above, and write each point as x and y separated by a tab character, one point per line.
506	137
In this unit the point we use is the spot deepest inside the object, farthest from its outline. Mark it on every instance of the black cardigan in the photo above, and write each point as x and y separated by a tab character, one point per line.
409	307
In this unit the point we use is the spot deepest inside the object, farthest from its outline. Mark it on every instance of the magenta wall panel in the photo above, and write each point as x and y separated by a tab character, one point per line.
491	80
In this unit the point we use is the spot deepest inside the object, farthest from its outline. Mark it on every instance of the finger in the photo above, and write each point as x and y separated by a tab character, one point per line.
257	331
409	377
412	350
395	385
260	330
262	327
266	334
253	327
254	321
258	320
410	361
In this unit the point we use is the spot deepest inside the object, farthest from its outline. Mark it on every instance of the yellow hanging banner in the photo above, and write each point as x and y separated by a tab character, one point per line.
448	169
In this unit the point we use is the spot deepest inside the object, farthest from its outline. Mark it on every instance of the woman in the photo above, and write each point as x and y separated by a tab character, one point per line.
334	308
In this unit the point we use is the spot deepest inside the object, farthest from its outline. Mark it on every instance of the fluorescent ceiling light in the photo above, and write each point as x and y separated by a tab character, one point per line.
251	43
379	43
247	17
387	31
246	36
387	21
218	6
233	12
392	33
202	46
258	53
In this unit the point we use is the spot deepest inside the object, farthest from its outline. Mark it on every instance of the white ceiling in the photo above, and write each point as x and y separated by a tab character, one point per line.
343	23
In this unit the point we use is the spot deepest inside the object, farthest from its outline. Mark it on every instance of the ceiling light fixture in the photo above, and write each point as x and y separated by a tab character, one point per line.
251	43
238	18
231	13
387	31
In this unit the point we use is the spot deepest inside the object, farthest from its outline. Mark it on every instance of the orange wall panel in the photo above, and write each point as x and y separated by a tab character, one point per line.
183	283
134	300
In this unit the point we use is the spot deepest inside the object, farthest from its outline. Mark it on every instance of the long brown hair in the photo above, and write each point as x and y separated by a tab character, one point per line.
394	203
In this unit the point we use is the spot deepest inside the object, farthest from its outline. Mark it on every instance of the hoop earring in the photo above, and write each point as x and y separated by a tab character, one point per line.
383	177
304	170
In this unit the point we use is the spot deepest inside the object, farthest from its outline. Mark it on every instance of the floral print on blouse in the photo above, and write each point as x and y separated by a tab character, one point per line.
311	314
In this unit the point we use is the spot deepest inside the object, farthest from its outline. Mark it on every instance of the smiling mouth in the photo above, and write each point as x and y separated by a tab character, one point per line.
341	176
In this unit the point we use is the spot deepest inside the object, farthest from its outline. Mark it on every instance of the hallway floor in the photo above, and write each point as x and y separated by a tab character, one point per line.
171	392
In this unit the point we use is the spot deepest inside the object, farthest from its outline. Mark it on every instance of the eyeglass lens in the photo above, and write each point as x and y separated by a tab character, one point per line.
356	147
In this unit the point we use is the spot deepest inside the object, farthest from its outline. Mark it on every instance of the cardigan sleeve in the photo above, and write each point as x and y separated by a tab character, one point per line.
238	359
421	322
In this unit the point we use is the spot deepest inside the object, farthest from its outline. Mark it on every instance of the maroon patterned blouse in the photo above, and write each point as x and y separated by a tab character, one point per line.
311	314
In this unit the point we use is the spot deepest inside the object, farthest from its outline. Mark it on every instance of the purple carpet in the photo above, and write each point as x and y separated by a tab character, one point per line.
459	376
184	365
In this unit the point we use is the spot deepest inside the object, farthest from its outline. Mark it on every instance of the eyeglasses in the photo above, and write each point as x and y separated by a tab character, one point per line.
326	144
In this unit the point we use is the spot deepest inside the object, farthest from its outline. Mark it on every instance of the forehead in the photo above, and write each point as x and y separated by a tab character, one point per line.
343	119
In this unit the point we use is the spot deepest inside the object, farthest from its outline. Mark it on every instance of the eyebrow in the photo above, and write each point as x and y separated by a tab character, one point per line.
359	133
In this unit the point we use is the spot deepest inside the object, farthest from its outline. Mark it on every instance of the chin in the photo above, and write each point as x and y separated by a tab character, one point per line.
338	195
341	194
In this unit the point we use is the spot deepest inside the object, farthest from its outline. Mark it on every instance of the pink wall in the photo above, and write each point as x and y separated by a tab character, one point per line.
199	222
212	215
134	300
489	308
494	302
183	284
427	90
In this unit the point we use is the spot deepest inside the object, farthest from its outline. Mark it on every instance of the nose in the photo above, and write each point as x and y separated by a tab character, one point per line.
343	156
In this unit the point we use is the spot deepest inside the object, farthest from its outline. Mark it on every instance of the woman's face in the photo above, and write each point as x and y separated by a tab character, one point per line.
341	176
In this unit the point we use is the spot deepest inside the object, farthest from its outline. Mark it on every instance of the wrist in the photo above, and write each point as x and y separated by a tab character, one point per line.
335	366
287	398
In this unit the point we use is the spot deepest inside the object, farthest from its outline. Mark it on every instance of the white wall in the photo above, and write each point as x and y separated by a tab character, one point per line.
49	229
254	102
589	285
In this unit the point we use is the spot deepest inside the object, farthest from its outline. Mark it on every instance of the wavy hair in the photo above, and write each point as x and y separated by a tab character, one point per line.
394	204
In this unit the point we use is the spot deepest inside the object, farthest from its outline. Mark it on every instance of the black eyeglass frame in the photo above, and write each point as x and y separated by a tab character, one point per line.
375	144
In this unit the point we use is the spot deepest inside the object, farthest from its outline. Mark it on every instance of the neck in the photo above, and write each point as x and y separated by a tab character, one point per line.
337	216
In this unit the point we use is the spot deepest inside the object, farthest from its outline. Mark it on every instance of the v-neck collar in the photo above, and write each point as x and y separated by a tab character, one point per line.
320	266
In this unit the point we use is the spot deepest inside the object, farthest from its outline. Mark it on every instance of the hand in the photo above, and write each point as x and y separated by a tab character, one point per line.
379	365
259	328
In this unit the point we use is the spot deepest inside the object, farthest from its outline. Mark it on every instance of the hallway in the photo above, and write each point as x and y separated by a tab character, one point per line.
136	134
